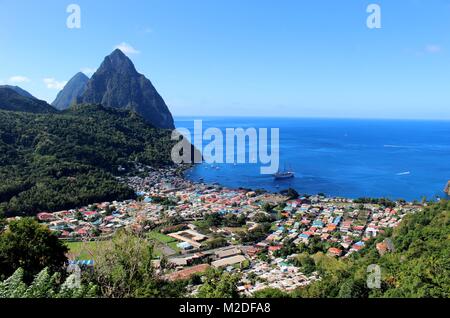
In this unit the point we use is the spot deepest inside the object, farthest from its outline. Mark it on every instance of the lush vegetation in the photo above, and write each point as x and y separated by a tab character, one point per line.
31	246
16	99
218	284
381	201
124	269
291	193
58	161
45	285
270	293
33	264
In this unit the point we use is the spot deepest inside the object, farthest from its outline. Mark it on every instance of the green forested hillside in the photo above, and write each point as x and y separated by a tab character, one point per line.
55	161
18	90
419	266
16	99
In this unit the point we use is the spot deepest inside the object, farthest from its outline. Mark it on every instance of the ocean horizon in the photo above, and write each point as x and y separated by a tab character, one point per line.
344	157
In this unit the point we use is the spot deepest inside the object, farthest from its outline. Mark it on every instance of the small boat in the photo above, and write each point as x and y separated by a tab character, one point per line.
286	174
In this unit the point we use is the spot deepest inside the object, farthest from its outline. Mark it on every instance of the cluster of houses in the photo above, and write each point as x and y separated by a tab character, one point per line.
230	258
98	220
279	275
342	223
188	201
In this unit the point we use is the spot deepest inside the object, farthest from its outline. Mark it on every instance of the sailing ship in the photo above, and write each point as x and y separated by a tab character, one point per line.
285	174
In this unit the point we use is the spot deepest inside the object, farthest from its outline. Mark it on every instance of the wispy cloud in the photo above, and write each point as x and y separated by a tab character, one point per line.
429	49
17	79
51	83
127	48
433	48
88	71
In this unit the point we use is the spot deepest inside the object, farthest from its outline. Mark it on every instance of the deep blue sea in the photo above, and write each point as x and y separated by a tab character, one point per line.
351	158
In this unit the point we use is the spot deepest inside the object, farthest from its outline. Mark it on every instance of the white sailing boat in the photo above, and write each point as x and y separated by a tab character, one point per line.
285	174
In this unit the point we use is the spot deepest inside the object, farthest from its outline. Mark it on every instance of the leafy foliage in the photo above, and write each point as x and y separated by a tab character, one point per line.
381	201
218	284
291	193
124	269
256	234
306	263
31	246
270	293
44	285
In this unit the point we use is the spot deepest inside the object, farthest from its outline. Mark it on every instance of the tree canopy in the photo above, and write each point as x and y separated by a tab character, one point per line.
218	284
45	285
124	269
31	246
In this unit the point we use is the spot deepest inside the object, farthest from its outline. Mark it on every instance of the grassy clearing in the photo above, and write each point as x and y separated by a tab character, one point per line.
153	235
173	245
164	239
84	250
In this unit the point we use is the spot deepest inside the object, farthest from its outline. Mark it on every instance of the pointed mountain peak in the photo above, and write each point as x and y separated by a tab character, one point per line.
80	76
119	61
70	93
117	84
118	53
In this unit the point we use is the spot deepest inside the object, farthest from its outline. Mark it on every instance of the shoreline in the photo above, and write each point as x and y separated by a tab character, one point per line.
163	182
444	196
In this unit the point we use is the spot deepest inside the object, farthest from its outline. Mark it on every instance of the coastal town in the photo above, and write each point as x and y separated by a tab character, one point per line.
195	226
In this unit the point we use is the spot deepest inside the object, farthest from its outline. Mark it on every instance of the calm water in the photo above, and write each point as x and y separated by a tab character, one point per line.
349	158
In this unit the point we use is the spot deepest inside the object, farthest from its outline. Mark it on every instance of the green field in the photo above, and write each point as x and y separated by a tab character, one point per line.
84	250
153	235
164	239
173	245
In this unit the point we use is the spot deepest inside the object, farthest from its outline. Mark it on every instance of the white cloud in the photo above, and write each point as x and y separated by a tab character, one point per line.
54	84
433	48
127	48
88	71
18	79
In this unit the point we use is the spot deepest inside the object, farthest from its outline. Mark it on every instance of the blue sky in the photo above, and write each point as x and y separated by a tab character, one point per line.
245	58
